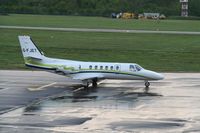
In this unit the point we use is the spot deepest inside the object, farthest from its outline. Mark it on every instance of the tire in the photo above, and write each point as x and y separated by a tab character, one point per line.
147	84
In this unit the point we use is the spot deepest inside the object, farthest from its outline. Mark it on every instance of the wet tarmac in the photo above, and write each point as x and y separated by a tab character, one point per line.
32	102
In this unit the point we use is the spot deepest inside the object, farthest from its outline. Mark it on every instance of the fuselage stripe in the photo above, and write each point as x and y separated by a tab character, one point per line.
45	68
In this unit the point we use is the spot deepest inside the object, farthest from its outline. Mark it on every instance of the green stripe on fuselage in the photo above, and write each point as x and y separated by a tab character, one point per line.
38	63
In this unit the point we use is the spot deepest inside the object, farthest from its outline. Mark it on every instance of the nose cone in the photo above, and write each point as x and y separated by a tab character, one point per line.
153	75
158	76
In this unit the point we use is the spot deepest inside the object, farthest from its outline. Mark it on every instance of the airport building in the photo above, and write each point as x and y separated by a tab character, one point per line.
184	8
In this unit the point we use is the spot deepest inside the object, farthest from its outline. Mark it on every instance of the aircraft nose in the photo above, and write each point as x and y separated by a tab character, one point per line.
159	76
155	75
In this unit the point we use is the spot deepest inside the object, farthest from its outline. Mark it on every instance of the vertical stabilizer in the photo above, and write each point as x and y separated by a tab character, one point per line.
29	49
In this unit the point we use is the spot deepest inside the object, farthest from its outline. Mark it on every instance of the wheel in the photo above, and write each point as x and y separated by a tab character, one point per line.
86	85
147	84
94	83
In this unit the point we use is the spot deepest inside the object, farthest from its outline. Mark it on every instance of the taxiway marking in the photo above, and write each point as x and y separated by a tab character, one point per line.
42	87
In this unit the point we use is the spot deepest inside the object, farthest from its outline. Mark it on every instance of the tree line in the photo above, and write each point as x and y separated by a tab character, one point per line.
96	7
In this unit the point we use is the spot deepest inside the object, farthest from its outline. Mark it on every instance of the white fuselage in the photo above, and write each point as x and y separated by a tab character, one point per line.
102	69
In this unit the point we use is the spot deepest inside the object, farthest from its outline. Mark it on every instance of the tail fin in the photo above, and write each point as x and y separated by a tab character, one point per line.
29	49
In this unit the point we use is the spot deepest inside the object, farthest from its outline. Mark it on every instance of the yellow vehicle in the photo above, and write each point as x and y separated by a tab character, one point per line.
127	15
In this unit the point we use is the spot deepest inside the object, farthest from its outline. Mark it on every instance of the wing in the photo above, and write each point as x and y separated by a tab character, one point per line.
87	76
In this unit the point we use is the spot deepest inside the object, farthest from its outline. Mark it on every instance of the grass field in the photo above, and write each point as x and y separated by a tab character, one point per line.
153	51
98	22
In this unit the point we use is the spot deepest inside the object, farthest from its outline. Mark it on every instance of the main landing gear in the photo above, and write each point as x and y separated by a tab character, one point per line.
87	85
94	83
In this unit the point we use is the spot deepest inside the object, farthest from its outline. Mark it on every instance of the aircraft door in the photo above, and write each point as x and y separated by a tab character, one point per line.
79	67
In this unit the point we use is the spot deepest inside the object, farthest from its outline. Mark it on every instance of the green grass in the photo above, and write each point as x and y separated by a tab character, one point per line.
168	53
98	22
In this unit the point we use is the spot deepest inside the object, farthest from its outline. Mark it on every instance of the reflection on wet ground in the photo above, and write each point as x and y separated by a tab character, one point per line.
115	106
54	123
127	125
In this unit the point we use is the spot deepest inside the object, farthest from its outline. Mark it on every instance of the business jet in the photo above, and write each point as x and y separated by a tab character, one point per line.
87	72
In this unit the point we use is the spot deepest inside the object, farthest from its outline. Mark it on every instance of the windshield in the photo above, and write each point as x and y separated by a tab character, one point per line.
138	68
135	68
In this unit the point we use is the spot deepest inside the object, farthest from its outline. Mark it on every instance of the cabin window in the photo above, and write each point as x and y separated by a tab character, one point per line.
96	67
132	68
117	68
101	67
90	67
106	67
111	67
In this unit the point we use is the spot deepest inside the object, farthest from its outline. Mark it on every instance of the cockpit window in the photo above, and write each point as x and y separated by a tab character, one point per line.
138	68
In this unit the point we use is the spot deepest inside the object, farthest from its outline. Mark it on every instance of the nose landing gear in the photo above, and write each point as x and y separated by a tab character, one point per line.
147	84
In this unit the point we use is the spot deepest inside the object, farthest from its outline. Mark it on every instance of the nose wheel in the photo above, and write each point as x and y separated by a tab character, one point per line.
147	84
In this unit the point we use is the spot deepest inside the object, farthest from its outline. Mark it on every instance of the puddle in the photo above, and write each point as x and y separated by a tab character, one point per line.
32	108
175	120
75	98
24	130
135	95
145	125
61	122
